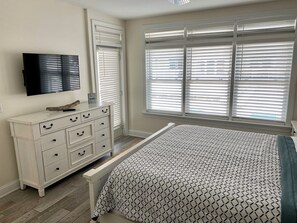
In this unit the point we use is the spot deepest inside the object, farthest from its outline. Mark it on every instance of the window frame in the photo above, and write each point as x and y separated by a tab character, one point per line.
220	44
230	118
182	83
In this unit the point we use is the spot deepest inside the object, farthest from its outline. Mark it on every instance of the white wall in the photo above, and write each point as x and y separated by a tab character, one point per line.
37	26
142	123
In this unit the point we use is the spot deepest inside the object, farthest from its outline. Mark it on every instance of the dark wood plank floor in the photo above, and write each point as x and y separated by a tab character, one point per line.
64	201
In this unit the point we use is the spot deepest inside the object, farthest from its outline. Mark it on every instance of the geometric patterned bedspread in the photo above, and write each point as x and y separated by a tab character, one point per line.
198	174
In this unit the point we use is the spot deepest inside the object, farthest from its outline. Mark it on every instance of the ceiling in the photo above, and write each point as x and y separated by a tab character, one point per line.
131	9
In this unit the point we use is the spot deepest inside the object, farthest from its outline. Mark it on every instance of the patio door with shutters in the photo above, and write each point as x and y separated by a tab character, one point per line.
108	60
108	51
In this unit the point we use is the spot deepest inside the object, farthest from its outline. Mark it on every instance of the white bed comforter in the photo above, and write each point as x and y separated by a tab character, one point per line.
198	174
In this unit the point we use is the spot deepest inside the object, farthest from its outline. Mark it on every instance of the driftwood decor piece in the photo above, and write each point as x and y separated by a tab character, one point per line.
63	107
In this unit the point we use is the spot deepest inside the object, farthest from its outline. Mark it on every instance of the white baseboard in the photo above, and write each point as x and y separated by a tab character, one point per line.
139	134
8	188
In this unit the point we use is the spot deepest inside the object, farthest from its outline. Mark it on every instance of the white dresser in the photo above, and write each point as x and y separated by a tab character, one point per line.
51	145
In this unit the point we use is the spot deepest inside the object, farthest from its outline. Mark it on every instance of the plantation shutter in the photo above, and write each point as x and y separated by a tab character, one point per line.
263	70
262	80
108	43
108	60
107	37
233	71
208	80
164	36
164	79
208	70
164	71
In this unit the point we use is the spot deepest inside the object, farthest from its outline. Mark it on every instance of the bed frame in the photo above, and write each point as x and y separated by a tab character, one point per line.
97	177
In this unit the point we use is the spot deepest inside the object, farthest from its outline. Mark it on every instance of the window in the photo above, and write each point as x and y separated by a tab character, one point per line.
108	60
262	80
264	55
208	80
164	71
231	71
108	48
164	79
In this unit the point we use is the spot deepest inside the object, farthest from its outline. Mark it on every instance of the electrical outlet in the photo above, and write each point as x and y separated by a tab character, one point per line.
1	108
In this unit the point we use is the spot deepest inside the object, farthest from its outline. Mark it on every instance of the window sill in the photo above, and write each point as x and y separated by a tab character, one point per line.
269	128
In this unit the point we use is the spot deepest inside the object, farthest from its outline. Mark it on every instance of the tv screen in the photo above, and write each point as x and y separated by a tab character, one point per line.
50	73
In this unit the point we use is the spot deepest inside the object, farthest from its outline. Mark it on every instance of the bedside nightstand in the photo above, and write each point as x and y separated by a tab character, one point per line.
294	128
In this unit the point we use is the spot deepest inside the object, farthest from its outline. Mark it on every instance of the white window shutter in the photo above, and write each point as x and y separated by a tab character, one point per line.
164	36
107	37
109	79
164	79
262	80
208	80
277	28
218	33
263	67
239	70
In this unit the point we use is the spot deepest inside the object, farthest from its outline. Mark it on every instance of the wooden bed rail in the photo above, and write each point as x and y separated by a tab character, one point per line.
98	176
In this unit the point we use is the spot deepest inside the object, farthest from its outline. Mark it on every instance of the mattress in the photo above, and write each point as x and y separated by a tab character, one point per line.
198	174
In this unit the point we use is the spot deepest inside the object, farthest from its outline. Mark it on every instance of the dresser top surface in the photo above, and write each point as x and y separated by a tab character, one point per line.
41	116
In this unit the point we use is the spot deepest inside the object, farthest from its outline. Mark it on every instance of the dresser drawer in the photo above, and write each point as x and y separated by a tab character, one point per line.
101	123
104	111
54	154
53	139
86	116
56	169
103	146
80	133
102	135
49	126
81	154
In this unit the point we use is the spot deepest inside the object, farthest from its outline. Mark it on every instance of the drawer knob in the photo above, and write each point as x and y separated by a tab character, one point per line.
102	123
103	146
56	154
73	120
87	116
57	168
103	135
105	110
83	153
80	134
54	140
48	127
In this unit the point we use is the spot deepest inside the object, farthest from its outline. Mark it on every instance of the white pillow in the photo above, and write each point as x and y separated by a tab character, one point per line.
295	141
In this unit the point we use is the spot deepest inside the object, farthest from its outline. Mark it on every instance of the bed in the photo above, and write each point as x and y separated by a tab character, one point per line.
198	174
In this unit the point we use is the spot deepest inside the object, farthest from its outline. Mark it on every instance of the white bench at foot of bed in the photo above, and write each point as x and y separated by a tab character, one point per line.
97	177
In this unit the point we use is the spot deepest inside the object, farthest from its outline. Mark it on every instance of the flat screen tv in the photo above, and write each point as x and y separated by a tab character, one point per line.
50	73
